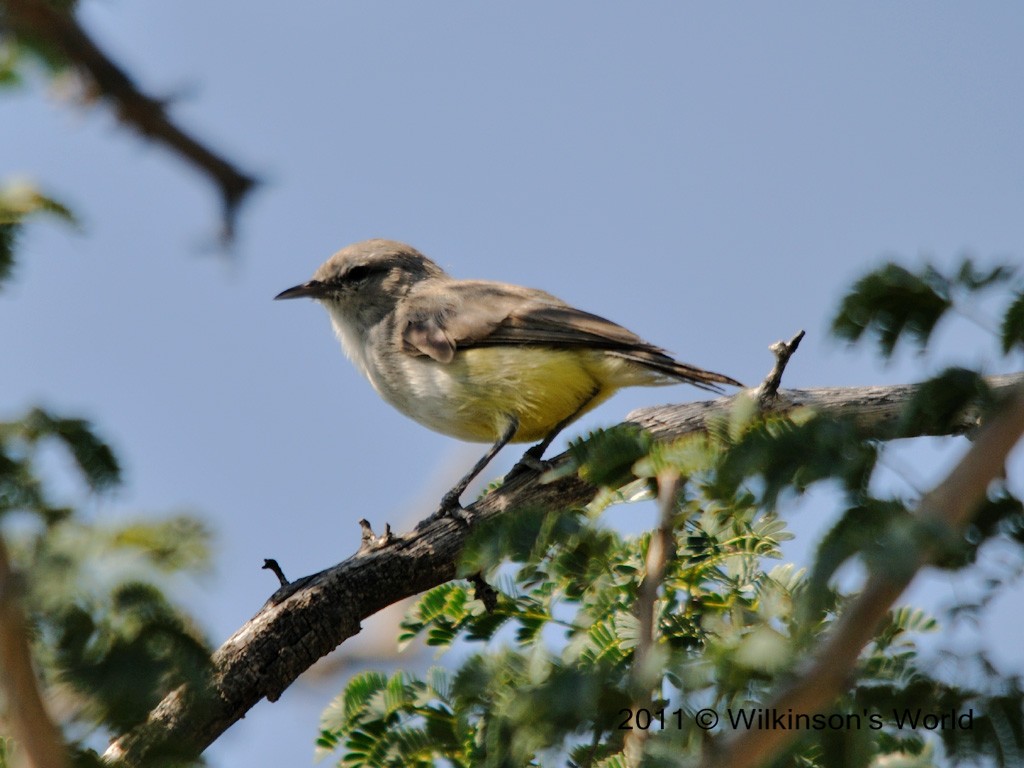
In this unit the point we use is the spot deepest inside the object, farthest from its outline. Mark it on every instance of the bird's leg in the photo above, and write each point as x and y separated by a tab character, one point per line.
450	505
531	459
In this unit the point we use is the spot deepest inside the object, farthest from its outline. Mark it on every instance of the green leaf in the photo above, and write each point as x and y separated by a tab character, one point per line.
606	456
859	529
904	620
936	404
349	706
441	613
126	659
785	454
1012	327
688	456
20	489
94	457
518	536
892	302
8	236
20	200
173	544
970	277
9	74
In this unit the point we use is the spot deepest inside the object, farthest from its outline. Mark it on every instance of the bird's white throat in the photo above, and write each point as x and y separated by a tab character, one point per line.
351	341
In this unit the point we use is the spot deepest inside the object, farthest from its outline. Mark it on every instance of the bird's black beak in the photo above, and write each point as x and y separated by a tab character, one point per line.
314	289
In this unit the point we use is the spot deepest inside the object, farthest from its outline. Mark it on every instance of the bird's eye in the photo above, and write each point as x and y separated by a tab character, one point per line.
357	274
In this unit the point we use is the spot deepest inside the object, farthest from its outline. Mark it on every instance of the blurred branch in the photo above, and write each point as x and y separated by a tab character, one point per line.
659	549
949	506
311	616
41	21
34	731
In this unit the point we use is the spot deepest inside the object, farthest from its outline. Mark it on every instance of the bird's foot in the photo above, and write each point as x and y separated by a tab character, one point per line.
450	507
530	462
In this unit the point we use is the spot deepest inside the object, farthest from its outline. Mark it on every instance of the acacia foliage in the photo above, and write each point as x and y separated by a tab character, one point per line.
107	641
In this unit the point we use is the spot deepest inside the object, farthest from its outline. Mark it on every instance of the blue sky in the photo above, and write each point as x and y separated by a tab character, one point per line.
710	175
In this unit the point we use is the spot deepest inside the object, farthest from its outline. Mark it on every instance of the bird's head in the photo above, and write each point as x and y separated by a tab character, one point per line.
362	282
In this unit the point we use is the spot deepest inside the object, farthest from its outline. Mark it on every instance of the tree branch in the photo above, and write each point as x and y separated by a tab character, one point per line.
875	409
33	728
42	21
950	505
308	618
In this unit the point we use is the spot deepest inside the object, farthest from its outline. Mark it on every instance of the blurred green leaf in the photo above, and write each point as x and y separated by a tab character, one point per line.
9	64
20	200
938	402
1012	328
124	661
970	277
94	457
606	456
785	454
890	302
517	537
8	237
29	47
173	544
861	528
974	279
20	489
690	455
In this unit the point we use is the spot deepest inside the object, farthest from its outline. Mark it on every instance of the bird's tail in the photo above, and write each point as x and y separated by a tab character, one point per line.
665	365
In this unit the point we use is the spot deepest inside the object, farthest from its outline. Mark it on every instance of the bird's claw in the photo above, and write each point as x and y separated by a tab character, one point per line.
450	507
529	463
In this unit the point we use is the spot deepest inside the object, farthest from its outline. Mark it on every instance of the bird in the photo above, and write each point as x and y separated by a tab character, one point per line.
479	360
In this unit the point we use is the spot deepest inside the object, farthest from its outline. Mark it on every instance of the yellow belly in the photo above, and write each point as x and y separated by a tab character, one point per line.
474	395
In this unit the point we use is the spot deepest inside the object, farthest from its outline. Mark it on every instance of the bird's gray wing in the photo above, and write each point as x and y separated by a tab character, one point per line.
465	314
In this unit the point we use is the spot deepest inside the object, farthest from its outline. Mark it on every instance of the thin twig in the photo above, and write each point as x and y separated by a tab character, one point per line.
42	21
783	350
34	731
949	506
659	550
270	564
369	540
